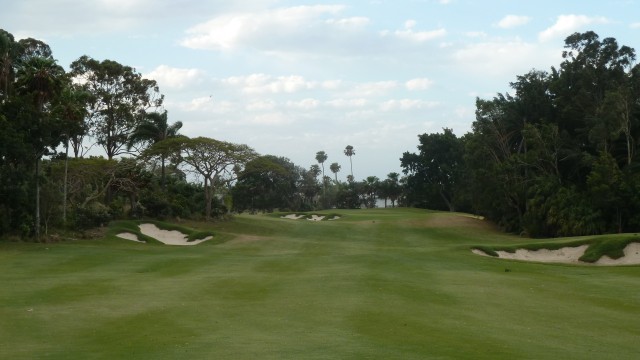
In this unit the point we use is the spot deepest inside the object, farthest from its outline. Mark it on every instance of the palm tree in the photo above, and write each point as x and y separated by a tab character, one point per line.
321	157
335	169
350	151
153	129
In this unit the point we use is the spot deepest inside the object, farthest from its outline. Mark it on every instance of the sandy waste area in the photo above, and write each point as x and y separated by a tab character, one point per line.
569	255
312	218
168	237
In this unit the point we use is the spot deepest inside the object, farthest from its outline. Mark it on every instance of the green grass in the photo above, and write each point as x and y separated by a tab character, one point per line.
377	284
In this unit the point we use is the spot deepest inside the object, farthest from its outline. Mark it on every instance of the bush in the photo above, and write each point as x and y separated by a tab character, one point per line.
94	214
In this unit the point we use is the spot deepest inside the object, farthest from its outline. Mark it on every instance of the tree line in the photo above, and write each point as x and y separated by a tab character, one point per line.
149	168
556	157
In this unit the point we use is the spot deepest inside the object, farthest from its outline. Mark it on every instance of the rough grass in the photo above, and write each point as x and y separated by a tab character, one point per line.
380	285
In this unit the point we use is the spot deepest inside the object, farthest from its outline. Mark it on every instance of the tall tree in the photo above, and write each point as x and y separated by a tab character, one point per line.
350	151
335	169
435	170
120	99
321	157
40	79
153	129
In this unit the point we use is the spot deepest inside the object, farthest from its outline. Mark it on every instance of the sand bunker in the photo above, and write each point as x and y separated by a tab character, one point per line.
312	218
129	236
168	237
569	255
292	216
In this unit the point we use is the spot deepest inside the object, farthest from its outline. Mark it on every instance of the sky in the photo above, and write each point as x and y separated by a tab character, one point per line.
291	78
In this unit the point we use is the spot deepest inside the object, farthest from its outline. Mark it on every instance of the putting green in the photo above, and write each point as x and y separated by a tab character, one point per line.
378	284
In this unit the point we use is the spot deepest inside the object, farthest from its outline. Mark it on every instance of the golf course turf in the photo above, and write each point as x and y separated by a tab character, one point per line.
373	284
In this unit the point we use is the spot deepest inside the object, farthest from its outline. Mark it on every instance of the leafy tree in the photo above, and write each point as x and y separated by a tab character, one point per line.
435	170
40	80
267	182
218	162
370	187
120	98
389	188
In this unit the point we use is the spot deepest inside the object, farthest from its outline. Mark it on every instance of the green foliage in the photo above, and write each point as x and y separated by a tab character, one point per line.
556	158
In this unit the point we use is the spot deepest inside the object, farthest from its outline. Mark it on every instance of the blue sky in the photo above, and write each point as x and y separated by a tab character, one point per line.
290	78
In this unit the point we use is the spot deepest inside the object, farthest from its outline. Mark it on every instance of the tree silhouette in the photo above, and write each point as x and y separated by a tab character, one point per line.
335	169
350	151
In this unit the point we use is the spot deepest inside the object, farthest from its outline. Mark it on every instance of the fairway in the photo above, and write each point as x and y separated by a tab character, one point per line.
373	284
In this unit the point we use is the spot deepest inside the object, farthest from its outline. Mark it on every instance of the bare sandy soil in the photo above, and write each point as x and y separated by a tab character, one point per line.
569	255
312	218
168	237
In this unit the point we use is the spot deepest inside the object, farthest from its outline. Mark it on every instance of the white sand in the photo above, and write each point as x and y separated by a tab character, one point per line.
563	255
569	255
292	216
129	236
631	256
167	237
315	218
334	218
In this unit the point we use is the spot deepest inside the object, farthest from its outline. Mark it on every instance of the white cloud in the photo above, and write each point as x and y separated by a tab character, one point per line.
511	21
304	104
252	28
177	78
272	119
503	58
406	104
566	24
635	25
207	104
416	36
262	84
347	103
349	23
261	105
369	89
418	84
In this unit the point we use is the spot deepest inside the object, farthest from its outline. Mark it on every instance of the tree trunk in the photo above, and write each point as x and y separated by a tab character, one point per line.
37	229
446	200
162	171
207	199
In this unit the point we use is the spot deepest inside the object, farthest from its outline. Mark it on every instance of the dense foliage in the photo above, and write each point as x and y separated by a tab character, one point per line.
557	157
